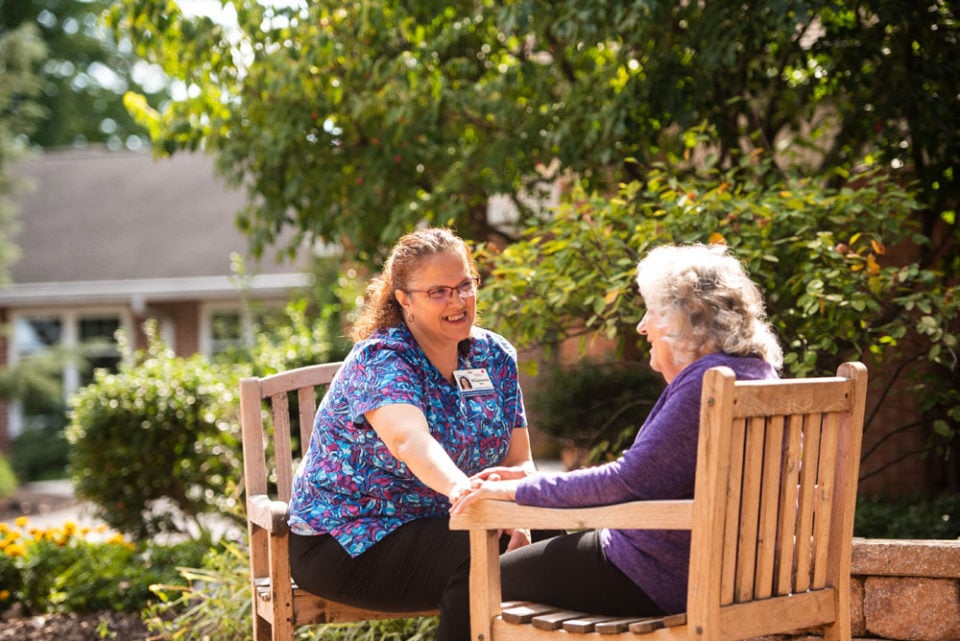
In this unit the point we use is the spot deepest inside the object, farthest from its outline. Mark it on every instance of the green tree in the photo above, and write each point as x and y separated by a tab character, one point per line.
20	52
84	74
353	121
819	254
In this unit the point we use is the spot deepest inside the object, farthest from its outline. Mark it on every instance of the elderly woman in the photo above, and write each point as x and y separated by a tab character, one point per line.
702	310
424	399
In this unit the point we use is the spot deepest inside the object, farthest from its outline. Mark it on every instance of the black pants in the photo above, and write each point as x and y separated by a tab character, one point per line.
420	566
424	565
571	571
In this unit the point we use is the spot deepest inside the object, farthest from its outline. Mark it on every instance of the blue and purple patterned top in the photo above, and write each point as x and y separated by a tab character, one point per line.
349	485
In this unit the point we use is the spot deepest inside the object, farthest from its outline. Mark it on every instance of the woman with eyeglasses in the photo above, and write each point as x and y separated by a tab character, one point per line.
424	400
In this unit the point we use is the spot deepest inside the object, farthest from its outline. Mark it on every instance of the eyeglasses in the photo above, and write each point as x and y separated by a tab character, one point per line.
443	293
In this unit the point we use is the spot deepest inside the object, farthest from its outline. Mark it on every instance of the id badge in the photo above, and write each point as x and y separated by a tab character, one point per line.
472	382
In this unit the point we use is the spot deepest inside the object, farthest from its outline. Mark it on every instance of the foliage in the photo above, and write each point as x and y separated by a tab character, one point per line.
212	601
8	480
21	50
295	339
213	604
36	381
83	75
72	569
40	454
595	406
840	269
908	518
157	444
157	441
354	122
418	629
358	121
308	330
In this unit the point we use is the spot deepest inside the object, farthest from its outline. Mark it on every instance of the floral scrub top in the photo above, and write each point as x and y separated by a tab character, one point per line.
349	485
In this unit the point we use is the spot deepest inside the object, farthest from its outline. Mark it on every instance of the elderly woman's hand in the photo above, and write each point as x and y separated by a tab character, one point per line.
479	489
493	489
518	538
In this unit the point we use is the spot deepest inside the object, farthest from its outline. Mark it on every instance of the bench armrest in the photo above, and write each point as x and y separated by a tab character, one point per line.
268	514
637	515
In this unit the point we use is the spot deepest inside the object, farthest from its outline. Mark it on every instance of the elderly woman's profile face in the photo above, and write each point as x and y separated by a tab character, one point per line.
661	350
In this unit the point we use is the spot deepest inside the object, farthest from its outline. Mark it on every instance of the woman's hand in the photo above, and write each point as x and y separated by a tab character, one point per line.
518	538
492	489
501	473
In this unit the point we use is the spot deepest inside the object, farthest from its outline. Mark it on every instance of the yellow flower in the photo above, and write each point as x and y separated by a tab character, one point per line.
21	521
15	550
116	538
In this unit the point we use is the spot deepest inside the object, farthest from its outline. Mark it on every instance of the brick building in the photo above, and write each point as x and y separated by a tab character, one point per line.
110	239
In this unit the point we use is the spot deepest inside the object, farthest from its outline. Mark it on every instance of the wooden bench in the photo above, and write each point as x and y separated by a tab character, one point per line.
771	522
271	449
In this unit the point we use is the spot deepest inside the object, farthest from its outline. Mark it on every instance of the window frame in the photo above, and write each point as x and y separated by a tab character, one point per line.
70	337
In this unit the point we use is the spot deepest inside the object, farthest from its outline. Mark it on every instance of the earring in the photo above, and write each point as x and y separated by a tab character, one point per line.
410	319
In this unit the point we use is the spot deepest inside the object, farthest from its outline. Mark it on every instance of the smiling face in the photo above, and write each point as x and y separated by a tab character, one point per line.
444	321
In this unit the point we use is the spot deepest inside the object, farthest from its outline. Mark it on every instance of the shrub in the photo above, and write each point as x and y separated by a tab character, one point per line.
844	273
41	453
71	569
419	629
156	445
213	602
908	518
8	480
296	341
595	406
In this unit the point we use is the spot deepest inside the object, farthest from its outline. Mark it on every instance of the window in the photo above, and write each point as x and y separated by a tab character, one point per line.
225	327
99	335
32	338
50	338
226	330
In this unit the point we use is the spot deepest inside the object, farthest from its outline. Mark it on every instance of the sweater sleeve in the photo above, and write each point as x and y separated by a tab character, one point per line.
661	463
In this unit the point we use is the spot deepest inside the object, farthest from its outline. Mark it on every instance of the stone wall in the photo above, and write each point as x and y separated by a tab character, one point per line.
902	591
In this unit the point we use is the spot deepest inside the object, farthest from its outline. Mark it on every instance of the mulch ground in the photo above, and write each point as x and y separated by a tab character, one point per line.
97	626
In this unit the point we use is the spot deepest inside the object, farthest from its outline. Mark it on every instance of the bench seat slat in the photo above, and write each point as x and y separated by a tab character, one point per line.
524	612
618	626
554	620
585	624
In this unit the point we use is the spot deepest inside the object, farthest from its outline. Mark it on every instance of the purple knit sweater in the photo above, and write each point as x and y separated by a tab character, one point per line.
661	464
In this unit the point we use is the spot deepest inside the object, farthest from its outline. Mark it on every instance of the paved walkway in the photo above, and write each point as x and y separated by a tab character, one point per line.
49	504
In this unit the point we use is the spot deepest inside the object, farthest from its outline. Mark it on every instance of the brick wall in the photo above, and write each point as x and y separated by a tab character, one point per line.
902	591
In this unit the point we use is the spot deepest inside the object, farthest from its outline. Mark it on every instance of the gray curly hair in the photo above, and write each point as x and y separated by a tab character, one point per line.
705	301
